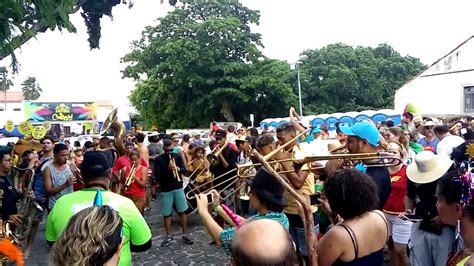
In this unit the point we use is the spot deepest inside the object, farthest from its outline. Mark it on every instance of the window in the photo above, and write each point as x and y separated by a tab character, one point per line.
469	99
16	109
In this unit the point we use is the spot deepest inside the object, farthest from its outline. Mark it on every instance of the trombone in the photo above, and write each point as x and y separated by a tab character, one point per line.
213	157
129	180
373	159
197	189
175	169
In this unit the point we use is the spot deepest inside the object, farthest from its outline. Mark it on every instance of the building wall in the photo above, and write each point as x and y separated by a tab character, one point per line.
440	88
13	112
441	94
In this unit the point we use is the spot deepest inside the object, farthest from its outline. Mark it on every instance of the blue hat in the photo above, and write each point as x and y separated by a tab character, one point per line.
363	130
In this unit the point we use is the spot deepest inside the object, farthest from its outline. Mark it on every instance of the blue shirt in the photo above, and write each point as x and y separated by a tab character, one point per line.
434	144
228	233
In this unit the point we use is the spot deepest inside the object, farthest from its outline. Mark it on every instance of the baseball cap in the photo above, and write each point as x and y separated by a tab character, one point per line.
220	134
363	130
95	164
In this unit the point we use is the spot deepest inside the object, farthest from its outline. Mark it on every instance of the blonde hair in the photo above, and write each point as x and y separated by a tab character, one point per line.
91	237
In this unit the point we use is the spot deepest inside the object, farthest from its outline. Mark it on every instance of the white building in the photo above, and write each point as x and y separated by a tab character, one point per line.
444	88
14	107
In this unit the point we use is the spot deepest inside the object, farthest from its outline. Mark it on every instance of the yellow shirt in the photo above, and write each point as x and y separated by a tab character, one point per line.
306	189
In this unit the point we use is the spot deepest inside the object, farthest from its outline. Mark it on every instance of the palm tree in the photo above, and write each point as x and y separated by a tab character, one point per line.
31	89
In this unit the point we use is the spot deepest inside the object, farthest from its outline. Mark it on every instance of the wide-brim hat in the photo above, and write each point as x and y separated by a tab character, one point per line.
335	146
266	186
426	124
428	167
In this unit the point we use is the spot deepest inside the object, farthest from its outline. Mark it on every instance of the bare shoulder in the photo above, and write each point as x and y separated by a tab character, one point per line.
333	238
333	245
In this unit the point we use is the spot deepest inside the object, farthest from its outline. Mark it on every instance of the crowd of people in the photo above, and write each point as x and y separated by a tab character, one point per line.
412	196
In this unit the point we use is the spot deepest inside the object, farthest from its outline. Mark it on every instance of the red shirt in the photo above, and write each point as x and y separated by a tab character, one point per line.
135	189
124	161
399	182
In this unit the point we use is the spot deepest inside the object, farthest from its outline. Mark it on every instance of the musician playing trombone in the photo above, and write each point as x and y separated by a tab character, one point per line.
133	181
227	162
364	137
169	168
302	180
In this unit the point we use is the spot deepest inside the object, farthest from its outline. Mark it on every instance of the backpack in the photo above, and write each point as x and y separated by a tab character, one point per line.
38	182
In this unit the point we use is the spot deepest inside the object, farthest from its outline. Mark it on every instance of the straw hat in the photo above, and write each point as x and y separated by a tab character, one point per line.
335	146
428	167
426	124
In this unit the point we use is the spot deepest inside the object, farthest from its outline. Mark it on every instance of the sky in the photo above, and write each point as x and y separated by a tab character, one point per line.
68	70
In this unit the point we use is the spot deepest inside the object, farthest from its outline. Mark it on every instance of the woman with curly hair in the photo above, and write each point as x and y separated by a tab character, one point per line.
92	237
360	237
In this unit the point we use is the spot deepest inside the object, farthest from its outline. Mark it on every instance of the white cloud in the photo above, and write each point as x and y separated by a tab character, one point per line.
69	71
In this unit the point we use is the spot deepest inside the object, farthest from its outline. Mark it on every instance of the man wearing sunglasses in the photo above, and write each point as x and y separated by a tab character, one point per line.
429	141
169	168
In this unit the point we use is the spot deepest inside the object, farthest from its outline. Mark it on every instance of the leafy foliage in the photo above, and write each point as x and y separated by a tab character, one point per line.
340	78
20	20
31	89
201	63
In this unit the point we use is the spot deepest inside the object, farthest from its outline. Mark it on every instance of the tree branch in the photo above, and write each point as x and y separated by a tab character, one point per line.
37	27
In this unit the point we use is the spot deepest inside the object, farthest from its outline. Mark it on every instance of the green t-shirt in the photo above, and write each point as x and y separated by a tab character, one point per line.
135	228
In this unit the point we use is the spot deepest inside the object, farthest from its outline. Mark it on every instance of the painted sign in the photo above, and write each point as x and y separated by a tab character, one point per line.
60	111
25	128
38	132
9	126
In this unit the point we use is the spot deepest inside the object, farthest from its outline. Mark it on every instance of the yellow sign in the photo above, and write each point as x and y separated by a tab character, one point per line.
38	132
62	113
25	128
9	126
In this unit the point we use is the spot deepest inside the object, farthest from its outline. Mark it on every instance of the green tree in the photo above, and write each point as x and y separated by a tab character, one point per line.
201	63
31	89
340	78
21	20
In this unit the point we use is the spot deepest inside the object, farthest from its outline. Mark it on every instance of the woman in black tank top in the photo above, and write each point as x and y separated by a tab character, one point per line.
360	237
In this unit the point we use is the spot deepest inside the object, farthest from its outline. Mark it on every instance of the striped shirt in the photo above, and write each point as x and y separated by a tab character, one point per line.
228	233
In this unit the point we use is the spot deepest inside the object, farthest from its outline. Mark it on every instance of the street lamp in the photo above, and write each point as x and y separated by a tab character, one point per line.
3	70
145	124
297	65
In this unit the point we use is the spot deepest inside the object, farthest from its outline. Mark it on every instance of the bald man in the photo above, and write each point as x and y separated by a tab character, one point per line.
263	242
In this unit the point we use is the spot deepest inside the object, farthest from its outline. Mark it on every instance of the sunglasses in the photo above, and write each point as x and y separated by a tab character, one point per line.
429	128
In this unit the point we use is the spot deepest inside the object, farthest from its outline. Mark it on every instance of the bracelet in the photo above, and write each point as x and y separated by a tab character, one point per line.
217	209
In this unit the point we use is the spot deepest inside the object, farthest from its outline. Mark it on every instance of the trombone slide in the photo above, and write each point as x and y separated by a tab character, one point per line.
129	180
174	167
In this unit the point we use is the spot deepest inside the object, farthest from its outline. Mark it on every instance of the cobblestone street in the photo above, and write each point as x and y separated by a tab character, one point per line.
201	252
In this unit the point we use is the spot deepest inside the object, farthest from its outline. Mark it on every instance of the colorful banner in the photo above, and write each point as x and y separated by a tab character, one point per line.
59	111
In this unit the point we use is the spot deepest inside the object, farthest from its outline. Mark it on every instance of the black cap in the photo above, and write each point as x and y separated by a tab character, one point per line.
266	186
95	164
220	134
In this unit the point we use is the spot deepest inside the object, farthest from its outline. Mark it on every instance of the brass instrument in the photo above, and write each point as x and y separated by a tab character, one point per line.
213	158
113	123
27	210
243	171
174	167
22	145
129	180
76	172
376	159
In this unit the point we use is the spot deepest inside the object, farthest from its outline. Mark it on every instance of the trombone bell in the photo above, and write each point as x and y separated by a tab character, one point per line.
212	159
